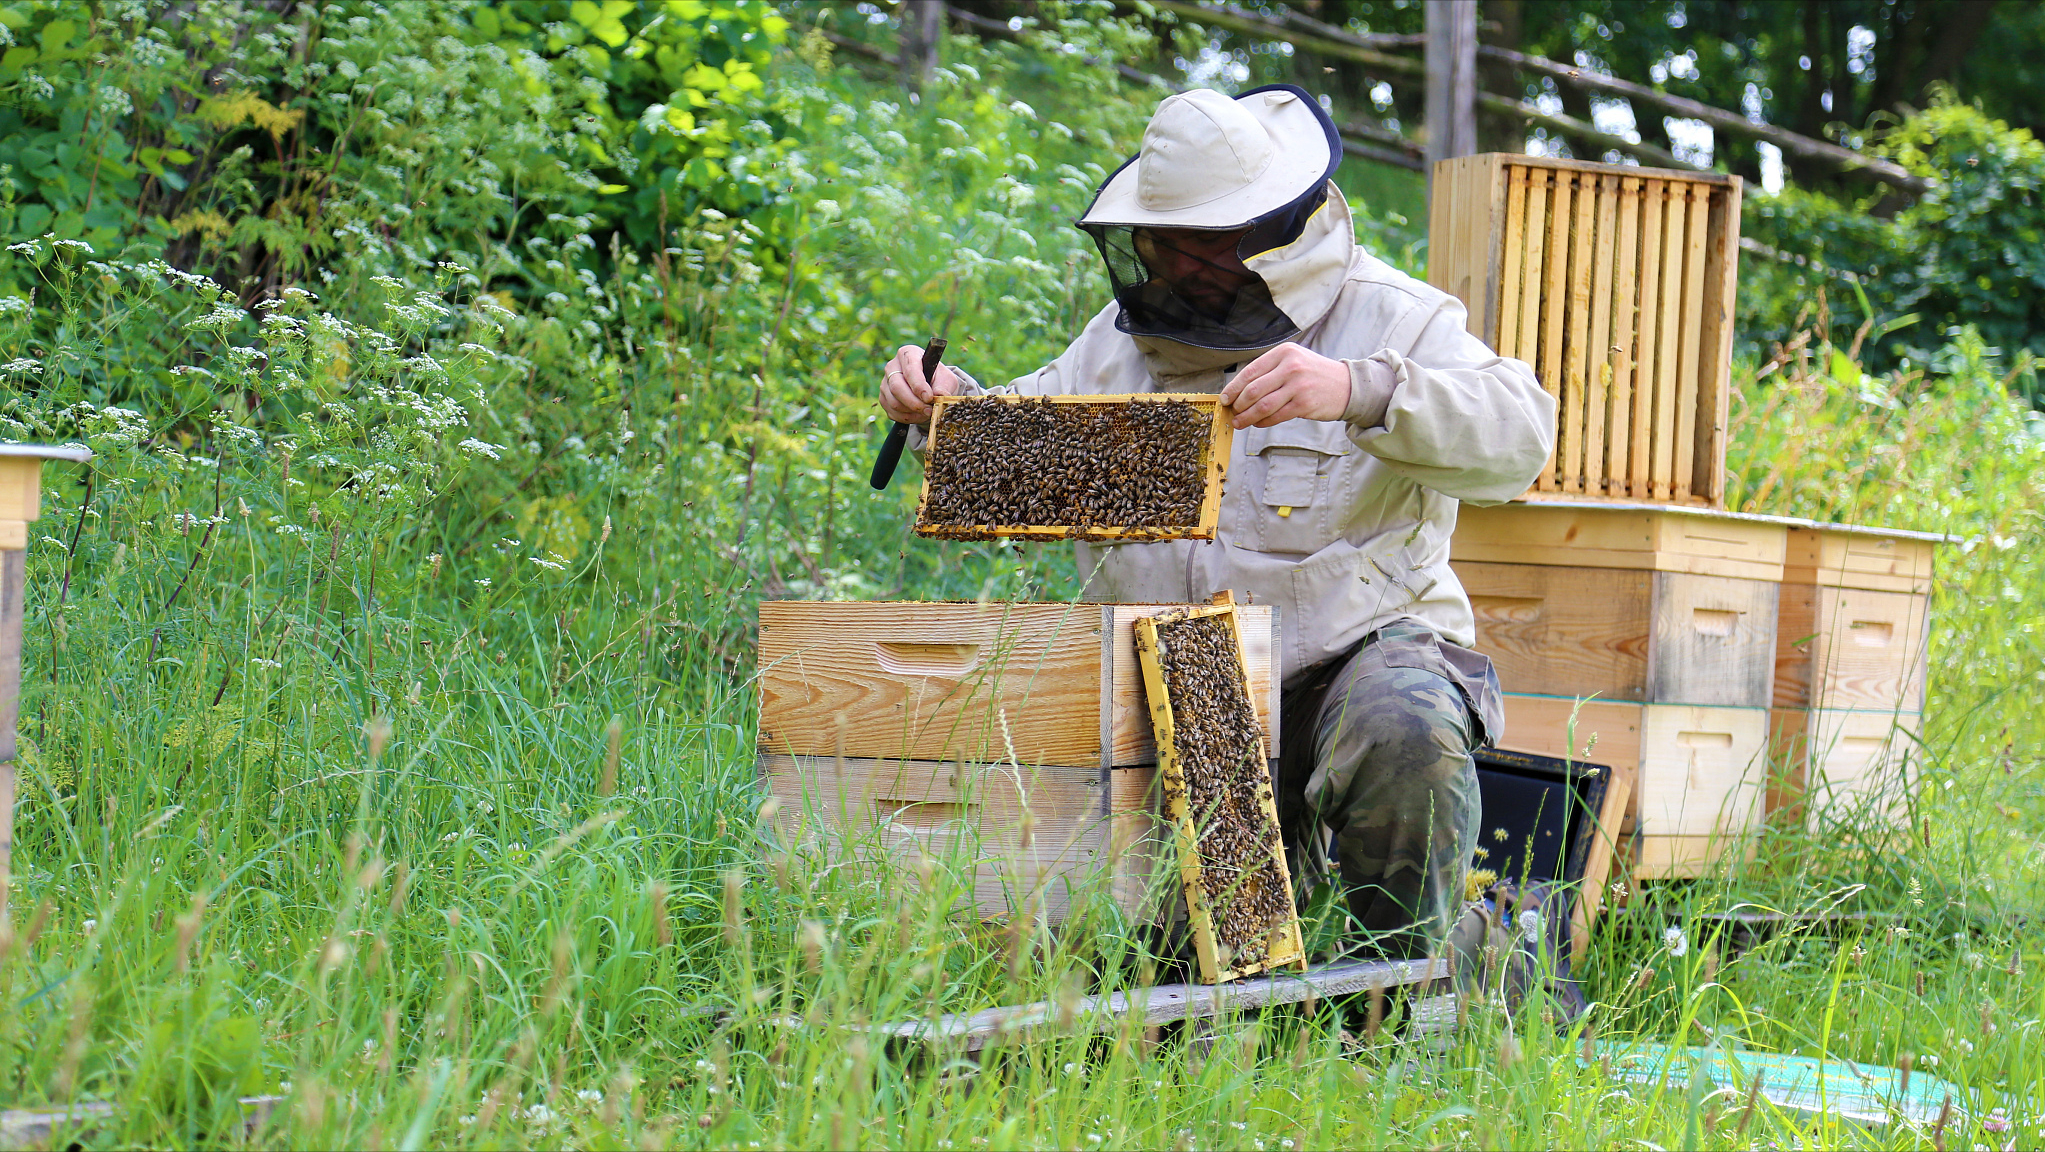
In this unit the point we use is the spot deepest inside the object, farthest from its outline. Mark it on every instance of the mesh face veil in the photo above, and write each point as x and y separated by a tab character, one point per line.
1191	285
1223	189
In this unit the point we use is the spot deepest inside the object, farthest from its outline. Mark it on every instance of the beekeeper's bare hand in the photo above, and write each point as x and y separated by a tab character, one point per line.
905	395
1288	383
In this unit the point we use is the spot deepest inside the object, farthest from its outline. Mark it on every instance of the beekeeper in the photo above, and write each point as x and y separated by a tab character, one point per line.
1365	413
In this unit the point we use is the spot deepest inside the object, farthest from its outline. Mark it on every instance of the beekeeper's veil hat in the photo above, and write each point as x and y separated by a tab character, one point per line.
1261	161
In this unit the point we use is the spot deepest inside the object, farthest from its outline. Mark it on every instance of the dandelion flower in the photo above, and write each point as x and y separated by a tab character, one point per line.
1677	940
1530	926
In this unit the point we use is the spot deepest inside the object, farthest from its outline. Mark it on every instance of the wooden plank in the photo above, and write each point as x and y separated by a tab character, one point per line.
1566	164
1164	1004
1625	338
1284	945
1569	448
1598	343
1668	339
1723	537
1034	836
1597	872
1511	262
1789	755
1721	281
1859	559
1555	291
1647	341
1127	709
1533	274
1796	629
1692	355
1563	631
1590	535
931	681
85	1121
20	487
1713	641
1220	443
1702	769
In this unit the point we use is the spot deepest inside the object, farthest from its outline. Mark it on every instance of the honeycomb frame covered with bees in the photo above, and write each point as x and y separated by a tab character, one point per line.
1140	466
1212	768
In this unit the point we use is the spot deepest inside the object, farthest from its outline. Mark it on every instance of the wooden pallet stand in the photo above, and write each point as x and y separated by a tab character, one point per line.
1850	665
1220	441
1014	738
1616	284
1640	636
1285	947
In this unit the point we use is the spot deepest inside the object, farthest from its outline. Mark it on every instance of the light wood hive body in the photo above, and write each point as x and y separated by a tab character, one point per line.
1641	637
1014	736
1616	284
1852	646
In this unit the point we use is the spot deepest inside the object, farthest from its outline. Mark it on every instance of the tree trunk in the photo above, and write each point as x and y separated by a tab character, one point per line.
1451	80
1500	24
922	32
1960	26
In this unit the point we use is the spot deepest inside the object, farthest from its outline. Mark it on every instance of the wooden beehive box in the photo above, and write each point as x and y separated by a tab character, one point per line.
1616	284
1090	461
1264	873
1016	735
1850	663
1642	637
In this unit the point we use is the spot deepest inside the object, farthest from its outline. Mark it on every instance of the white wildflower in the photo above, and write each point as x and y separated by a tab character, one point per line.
90	926
475	447
590	1096
22	364
1530	926
1677	940
79	244
549	565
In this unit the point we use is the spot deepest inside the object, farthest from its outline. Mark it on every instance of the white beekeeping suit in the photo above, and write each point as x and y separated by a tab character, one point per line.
1343	524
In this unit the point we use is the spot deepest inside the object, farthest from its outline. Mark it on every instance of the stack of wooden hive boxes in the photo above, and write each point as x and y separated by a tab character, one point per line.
1013	739
1724	664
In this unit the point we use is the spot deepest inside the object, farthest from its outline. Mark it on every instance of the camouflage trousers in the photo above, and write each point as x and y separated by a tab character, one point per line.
1376	748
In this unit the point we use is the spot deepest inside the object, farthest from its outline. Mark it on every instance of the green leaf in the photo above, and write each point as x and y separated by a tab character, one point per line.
18	57
56	34
612	189
585	13
487	23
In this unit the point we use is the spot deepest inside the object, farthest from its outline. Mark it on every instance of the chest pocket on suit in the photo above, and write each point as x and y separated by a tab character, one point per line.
1302	460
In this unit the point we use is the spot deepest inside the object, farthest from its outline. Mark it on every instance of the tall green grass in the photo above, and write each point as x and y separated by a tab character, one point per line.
389	736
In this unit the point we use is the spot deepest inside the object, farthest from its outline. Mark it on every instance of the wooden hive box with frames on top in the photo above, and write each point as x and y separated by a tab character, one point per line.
1014	737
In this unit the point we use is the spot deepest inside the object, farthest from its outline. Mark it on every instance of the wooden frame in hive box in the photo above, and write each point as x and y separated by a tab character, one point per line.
1616	284
1015	735
1850	666
1642	637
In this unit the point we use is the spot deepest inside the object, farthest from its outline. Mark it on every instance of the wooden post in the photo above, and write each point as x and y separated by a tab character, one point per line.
21	467
922	32
1451	80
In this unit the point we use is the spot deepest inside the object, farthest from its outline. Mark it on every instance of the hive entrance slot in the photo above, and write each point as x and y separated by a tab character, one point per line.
1872	633
1715	621
919	814
902	658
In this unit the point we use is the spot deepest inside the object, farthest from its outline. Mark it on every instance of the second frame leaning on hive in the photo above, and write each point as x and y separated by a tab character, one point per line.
1231	855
